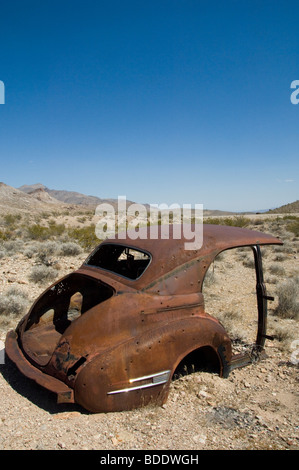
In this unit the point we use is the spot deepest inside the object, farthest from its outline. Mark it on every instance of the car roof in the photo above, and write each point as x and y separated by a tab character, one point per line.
215	237
167	254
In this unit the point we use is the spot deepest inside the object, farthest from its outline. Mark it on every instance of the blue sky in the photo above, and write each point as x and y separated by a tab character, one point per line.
162	101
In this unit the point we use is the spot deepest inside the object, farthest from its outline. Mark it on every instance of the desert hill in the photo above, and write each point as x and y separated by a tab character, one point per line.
292	207
43	196
67	197
12	200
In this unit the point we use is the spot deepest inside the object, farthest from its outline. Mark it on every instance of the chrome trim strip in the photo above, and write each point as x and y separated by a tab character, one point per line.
157	379
150	376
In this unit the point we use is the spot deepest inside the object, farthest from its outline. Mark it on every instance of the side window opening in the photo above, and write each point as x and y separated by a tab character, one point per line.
75	306
126	261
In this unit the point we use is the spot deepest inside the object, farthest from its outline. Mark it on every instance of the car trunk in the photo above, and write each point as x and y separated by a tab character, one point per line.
56	309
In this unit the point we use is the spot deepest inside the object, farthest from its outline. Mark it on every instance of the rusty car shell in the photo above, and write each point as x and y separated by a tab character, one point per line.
132	332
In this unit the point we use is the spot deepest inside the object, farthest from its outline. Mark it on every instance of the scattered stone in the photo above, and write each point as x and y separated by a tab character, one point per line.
249	409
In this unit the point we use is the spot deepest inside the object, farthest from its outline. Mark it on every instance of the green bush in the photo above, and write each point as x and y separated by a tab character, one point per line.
85	236
236	221
55	230
3	235
294	227
11	219
39	232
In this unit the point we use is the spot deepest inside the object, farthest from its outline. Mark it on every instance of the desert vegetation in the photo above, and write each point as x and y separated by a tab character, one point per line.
13	304
255	408
48	247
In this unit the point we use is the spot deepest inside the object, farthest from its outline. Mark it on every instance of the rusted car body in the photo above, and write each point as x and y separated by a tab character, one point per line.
111	335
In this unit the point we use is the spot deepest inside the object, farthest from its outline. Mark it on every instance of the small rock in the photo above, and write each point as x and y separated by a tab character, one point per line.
199	439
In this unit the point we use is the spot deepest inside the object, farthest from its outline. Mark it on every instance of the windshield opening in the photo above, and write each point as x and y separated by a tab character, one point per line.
123	260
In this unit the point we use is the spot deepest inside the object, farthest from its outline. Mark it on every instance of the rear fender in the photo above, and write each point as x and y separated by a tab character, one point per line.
139	371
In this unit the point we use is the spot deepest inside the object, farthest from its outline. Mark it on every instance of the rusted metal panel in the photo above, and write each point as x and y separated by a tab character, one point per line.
64	393
170	254
110	342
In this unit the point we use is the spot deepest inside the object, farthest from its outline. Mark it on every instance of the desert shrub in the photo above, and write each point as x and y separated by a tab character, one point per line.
69	249
271	279
288	303
3	235
43	258
294	227
13	302
81	219
55	230
280	257
42	273
31	249
283	333
290	247
29	252
248	262
13	246
276	269
85	236
236	221
287	247
258	221
242	250
39	232
2	253
49	247
11	219
232	322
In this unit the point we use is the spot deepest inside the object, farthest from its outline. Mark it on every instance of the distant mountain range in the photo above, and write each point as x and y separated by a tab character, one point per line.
72	197
67	197
38	197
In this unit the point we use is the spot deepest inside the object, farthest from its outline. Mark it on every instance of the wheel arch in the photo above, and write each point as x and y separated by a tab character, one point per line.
201	357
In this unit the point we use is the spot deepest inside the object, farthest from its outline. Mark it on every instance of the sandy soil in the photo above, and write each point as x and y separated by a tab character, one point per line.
256	407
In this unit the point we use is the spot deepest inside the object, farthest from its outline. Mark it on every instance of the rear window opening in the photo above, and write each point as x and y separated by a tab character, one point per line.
123	260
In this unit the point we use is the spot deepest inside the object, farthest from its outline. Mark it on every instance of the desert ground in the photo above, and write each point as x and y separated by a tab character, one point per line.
255	408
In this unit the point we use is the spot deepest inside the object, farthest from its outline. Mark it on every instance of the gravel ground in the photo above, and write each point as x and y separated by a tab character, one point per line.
254	408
